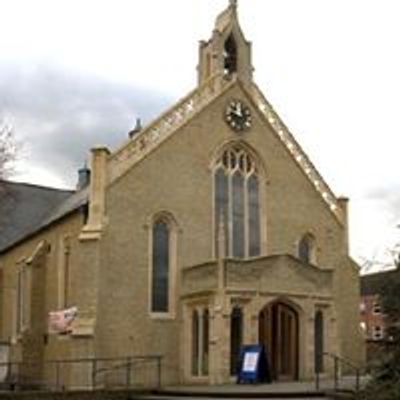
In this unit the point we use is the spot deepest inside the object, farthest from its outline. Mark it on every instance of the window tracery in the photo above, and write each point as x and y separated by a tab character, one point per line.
236	202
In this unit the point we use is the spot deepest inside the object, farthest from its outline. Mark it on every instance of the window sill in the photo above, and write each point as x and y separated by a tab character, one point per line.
162	316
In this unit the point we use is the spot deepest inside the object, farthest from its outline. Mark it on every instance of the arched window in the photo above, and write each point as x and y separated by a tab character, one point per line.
306	250
161	266
319	341
236	202
230	56
236	337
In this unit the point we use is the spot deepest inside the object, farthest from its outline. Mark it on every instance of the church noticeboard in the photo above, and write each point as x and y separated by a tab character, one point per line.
253	367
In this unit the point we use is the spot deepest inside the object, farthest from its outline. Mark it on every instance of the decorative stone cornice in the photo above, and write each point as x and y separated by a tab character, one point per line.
298	154
164	126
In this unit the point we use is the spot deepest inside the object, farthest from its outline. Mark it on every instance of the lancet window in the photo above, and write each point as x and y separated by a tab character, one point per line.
306	249
161	267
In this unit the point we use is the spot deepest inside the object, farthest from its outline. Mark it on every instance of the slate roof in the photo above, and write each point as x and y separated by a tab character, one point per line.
373	284
27	208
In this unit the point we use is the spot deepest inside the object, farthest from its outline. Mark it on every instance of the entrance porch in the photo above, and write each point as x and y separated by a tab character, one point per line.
276	301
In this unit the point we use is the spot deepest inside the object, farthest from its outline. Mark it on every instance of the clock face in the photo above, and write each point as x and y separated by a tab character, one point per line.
238	116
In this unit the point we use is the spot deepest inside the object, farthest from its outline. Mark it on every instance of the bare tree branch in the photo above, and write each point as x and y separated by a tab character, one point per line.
8	149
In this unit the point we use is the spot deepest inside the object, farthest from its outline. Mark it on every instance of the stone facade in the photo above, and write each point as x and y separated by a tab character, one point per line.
166	172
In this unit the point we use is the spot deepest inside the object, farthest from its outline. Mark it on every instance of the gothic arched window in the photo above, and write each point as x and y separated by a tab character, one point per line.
236	203
306	249
161	266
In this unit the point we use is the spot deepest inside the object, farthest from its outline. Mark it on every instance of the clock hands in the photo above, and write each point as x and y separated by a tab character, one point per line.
238	109
238	116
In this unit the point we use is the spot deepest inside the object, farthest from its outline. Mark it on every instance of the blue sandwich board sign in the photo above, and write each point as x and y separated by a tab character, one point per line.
253	365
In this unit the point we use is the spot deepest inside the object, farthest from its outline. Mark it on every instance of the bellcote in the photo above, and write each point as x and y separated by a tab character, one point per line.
227	52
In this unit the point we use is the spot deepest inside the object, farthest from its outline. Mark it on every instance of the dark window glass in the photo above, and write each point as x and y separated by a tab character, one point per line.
236	338
230	55
221	204
304	249
195	343
254	217
238	215
205	342
160	267
319	342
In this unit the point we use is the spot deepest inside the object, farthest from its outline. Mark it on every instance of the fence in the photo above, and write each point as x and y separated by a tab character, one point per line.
131	372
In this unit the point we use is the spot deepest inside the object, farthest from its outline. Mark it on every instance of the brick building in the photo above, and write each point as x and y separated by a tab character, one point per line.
208	229
373	320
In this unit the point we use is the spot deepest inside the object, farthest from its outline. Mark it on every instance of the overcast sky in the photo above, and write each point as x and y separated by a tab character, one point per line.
78	73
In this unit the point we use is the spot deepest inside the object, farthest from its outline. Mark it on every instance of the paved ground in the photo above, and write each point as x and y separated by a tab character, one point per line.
227	398
277	390
276	387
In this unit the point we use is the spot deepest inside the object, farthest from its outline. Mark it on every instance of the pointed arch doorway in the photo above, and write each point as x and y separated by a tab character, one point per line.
279	333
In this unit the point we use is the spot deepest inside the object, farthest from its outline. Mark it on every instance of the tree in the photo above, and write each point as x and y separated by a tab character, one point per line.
8	149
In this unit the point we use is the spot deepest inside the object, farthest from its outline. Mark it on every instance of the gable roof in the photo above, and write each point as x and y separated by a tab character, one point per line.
23	209
136	148
373	284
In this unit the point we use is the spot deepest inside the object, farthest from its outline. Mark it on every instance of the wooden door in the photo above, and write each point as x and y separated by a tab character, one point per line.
279	334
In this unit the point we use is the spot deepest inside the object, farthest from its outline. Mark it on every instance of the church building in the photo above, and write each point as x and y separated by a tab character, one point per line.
208	229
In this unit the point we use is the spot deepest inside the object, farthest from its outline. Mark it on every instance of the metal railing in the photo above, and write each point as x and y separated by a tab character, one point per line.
338	364
131	372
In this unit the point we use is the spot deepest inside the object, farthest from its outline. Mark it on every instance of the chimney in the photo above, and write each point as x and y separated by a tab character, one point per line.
83	177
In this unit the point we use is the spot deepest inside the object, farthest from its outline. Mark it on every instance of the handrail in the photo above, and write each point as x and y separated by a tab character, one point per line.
16	374
342	359
337	361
